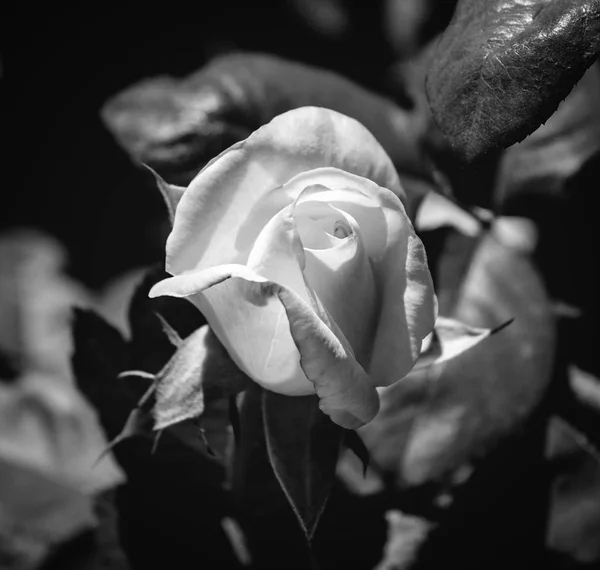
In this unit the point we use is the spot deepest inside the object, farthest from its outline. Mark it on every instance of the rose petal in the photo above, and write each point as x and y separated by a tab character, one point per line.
408	306
408	302
278	255
345	391
242	312
250	323
343	279
304	356
218	200
361	198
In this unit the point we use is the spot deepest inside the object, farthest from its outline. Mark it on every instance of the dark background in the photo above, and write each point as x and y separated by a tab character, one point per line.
63	171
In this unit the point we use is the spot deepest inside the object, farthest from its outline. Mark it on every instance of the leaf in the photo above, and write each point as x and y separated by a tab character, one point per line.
574	517
179	385
171	333
170	192
139	421
177	126
37	512
452	338
180	472
438	418
150	347
438	211
355	444
303	445
36	300
501	68
406	535
578	405
539	167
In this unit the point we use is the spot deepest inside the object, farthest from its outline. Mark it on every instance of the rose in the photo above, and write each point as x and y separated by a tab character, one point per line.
296	246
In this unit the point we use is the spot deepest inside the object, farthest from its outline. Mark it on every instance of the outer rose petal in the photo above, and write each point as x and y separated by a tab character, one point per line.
408	307
250	324
314	354
407	302
240	308
344	388
218	200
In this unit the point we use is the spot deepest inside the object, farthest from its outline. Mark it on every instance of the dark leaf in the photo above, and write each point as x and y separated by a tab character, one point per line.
574	518
139	423
579	407
100	355
179	472
37	512
539	167
303	446
150	347
275	538
355	444
176	126
502	68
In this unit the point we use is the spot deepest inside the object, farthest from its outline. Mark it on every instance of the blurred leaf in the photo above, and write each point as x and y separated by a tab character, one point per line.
100	355
543	162
37	512
502	68
404	22
579	407
113	300
49	436
436	419
36	299
177	491
451	338
437	211
406	534
150	348
303	446
355	444
176	126
574	518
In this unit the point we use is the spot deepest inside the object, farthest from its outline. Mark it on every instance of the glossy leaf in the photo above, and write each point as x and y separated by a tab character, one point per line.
501	68
574	518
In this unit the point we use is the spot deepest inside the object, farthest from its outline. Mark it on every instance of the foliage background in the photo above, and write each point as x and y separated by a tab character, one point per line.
530	497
